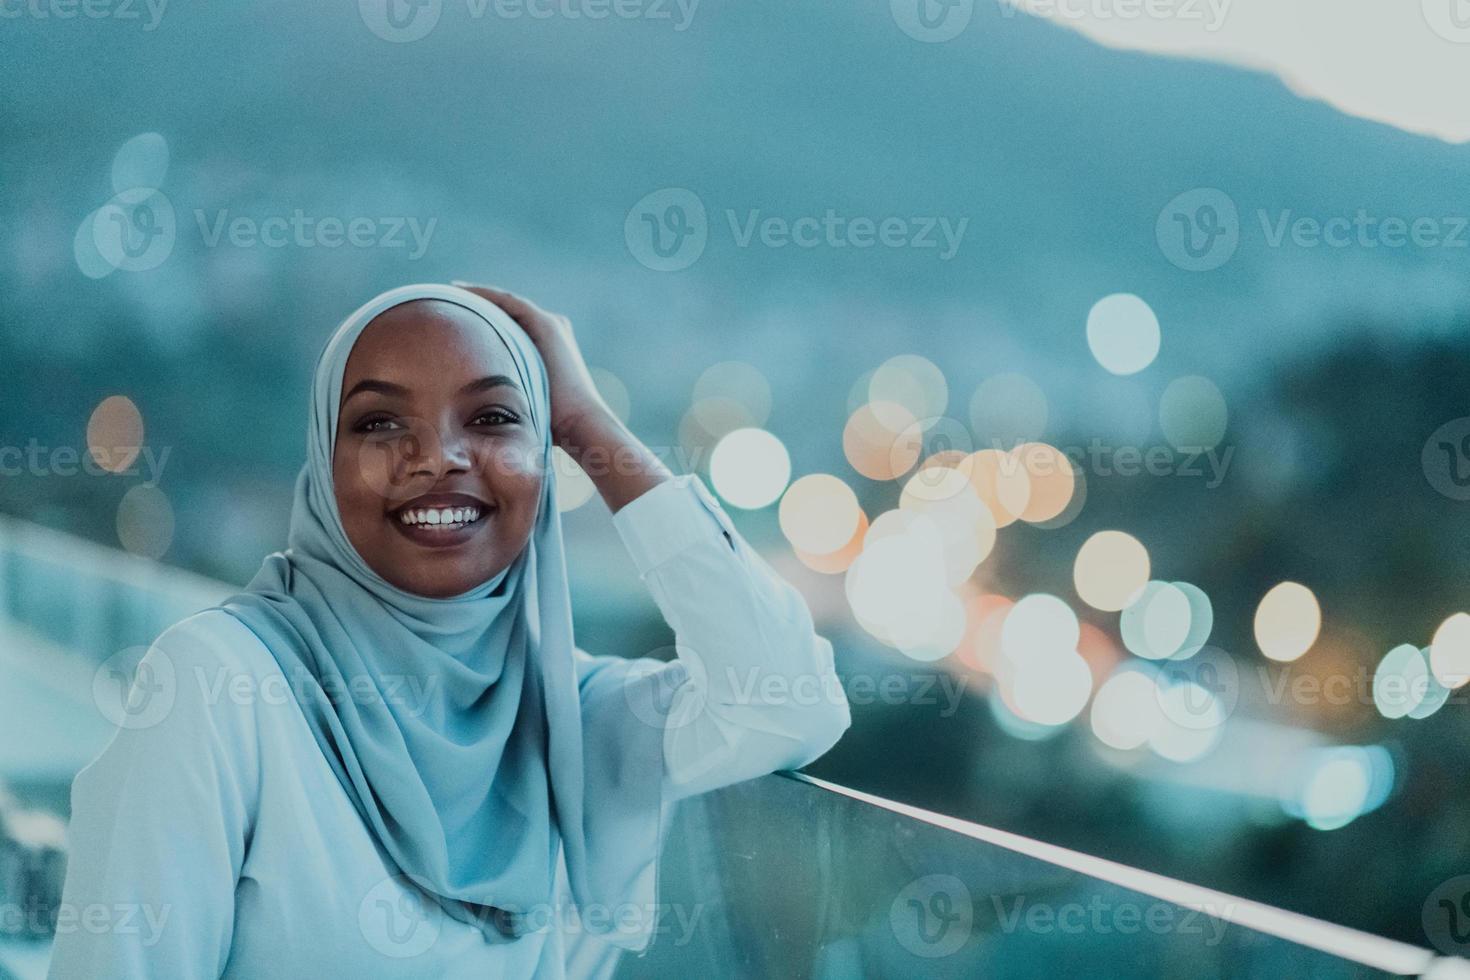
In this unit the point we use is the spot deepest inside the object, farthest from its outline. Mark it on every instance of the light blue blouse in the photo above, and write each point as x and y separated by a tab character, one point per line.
211	838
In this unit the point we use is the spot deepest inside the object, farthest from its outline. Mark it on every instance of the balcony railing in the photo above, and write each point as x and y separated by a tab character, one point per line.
790	876
785	876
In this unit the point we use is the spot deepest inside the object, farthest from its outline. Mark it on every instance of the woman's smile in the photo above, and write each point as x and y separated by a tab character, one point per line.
441	520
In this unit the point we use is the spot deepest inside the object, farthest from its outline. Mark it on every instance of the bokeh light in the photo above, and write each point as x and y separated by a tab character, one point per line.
1201	620
947	497
145	521
839	561
1157	623
819	514
1339	784
985	615
1449	651
1191	721
1401	681
1111	567
1050	479
706	422
1287	621
897	590
115	433
1075	502
733	381
1045	687
750	468
1125	711
613	391
1123	333
912	383
1039	626
573	486
882	441
1192	414
1001	482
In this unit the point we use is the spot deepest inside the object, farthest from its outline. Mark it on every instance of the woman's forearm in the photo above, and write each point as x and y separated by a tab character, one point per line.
618	463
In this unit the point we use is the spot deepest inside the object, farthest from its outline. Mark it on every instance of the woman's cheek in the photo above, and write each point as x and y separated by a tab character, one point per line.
514	464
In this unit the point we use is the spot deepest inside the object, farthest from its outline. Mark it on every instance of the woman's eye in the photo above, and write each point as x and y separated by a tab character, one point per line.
377	423
495	416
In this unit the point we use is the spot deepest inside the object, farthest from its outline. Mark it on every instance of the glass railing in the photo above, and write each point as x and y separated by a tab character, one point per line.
88	599
790	876
785	876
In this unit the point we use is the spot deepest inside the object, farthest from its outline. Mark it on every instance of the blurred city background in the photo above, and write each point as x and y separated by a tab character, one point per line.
1102	382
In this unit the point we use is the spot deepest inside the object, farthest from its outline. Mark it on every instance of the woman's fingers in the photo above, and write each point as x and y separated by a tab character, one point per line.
517	306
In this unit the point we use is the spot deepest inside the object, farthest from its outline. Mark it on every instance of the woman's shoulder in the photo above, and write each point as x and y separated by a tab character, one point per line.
187	714
215	639
212	668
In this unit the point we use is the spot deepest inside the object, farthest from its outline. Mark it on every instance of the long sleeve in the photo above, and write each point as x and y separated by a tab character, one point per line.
160	822
753	688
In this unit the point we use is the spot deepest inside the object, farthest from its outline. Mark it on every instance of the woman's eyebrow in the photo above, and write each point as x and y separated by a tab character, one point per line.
488	382
373	384
389	388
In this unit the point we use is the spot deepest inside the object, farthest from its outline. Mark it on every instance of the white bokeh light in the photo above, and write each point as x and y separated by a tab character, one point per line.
750	468
1123	333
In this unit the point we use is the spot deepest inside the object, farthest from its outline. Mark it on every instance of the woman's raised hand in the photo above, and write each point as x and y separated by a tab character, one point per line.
575	400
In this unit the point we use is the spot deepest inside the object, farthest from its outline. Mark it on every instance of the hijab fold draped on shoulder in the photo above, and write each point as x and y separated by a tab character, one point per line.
458	726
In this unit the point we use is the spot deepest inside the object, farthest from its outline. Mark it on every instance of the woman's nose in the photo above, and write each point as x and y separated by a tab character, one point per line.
443	449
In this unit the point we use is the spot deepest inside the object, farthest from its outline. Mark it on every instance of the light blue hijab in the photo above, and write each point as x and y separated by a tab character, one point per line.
515	756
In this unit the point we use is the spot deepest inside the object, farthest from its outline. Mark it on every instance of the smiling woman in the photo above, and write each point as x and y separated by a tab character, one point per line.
354	831
435	450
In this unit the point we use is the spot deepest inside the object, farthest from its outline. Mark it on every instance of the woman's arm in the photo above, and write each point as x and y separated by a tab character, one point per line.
159	823
753	689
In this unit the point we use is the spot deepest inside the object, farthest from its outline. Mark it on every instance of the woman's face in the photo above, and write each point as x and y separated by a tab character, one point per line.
437	468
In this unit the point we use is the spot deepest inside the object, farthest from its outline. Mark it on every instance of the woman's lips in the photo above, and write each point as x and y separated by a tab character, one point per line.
441	520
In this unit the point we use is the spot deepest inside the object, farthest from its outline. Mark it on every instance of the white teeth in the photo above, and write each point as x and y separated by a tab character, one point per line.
440	516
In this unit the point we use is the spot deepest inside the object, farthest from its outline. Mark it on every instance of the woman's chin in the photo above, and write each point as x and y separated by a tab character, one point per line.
440	576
